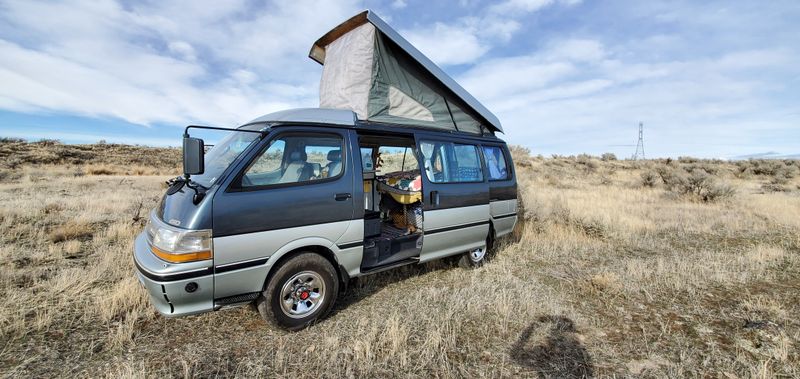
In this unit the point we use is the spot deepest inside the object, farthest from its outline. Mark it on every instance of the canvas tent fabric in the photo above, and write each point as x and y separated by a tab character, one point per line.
346	78
367	71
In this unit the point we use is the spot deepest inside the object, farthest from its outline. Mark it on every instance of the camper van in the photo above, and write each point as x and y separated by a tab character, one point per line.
398	166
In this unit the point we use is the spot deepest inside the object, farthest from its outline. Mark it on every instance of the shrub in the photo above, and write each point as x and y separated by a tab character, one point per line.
11	140
519	151
670	177
588	161
697	182
591	228
777	184
708	168
70	231
698	185
13	163
779	180
100	170
48	142
787	172
606	281
649	178
765	167
9	175
717	192
521	155
773	187
606	157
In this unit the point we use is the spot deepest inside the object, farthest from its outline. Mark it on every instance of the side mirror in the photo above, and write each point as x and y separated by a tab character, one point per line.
193	156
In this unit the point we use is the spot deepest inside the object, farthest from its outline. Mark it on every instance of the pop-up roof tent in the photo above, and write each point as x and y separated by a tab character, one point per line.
370	69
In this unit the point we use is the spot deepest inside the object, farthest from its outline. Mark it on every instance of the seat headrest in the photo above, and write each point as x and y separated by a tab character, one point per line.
335	155
298	156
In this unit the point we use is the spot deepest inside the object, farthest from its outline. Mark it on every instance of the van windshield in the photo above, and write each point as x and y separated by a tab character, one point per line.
222	155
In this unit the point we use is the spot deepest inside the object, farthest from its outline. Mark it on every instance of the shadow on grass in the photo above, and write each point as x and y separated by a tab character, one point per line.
558	354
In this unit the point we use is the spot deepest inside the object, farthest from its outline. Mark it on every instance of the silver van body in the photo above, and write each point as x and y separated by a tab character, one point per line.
305	185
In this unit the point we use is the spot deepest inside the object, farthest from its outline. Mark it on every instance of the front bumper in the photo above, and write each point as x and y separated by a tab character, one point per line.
167	282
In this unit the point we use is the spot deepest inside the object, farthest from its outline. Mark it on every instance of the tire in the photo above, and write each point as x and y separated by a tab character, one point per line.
478	257
302	290
473	258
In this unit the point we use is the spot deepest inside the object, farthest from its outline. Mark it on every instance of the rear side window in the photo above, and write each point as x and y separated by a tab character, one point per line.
447	162
496	163
296	158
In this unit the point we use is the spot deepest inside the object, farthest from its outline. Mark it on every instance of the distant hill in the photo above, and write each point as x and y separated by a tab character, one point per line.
767	155
17	152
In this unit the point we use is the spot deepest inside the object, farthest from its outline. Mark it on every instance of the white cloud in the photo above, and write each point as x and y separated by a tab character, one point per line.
577	96
519	5
468	38
447	44
581	50
183	50
162	62
399	4
512	6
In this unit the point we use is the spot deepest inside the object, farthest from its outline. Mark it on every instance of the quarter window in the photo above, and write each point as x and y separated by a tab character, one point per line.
495	163
296	159
447	162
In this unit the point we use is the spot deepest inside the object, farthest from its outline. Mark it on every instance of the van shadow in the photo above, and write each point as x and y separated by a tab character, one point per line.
550	347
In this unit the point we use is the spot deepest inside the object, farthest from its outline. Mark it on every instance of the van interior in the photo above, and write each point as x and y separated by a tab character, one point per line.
393	219
293	159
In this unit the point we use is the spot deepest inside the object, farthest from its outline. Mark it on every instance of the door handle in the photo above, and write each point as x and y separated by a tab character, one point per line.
342	196
435	198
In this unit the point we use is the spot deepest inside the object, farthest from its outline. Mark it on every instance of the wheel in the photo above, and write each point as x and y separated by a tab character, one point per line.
473	258
301	291
478	256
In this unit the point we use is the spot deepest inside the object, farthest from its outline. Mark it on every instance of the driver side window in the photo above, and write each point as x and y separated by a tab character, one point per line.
269	161
296	158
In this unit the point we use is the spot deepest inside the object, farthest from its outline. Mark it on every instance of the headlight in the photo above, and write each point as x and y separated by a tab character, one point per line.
179	245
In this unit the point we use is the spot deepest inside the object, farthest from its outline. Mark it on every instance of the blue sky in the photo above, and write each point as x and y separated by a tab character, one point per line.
708	79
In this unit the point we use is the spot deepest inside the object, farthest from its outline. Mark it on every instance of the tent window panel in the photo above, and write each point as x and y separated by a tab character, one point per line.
447	162
402	92
402	105
465	121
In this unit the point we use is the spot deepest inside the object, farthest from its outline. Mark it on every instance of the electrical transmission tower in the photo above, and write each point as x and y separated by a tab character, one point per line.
640	145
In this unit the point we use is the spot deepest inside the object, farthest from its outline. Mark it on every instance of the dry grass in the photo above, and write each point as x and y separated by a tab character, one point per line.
70	231
610	278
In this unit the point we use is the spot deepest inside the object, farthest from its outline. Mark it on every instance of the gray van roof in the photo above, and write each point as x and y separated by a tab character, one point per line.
311	115
321	116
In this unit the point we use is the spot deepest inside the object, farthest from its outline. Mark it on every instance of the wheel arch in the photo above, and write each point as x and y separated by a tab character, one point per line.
316	248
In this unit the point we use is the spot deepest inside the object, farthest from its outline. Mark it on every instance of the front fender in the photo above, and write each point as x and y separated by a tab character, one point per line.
253	278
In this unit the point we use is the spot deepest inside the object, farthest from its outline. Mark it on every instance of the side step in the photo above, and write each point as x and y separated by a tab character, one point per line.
404	262
235	300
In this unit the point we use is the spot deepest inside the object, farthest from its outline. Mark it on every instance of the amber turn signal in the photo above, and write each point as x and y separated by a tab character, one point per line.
183	257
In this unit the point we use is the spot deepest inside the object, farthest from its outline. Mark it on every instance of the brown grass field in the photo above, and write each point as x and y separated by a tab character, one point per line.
661	268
